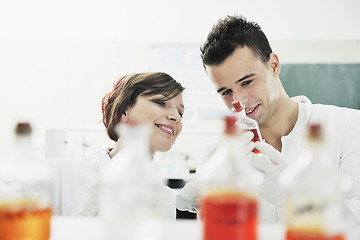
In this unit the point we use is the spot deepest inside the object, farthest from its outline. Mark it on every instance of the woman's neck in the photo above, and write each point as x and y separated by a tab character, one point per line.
116	149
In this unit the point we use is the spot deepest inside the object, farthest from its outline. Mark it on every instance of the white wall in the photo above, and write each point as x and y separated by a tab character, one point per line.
59	58
174	20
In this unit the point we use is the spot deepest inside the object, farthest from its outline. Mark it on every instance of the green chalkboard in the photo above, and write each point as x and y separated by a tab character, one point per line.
335	84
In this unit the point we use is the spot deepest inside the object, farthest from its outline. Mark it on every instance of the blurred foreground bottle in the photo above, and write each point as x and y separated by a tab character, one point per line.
133	198
314	207
246	123
25	191
229	208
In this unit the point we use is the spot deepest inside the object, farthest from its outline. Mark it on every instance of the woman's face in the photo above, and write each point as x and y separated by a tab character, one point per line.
165	117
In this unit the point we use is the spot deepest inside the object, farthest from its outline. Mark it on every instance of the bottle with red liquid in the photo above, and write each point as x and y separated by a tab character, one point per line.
314	208
229	205
247	123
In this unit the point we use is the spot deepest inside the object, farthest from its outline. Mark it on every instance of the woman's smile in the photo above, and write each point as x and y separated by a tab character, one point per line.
168	129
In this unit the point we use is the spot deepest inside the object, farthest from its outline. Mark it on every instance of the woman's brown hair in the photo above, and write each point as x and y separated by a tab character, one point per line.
128	88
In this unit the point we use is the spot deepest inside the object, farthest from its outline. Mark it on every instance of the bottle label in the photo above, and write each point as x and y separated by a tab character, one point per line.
312	215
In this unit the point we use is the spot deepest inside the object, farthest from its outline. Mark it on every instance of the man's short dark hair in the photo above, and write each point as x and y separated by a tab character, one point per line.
230	33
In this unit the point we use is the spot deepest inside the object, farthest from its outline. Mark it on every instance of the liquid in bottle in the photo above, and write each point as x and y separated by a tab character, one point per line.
229	206
247	123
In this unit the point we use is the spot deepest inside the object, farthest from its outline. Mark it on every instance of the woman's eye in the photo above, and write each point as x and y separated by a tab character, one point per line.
181	114
158	102
246	83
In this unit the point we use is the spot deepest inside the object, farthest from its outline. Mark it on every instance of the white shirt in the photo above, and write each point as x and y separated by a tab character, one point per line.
72	178
75	186
342	131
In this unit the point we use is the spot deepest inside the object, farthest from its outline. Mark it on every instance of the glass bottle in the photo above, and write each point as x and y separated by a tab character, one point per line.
313	207
229	203
25	191
133	196
246	123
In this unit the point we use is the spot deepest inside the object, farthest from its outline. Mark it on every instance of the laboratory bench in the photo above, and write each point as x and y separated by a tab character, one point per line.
91	228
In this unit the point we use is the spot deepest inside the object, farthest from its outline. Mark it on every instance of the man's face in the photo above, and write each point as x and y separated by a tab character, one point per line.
243	76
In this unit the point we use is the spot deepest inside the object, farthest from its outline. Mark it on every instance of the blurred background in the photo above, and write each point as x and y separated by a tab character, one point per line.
59	58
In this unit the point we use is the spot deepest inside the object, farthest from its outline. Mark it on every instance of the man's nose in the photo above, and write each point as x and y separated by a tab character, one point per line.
242	97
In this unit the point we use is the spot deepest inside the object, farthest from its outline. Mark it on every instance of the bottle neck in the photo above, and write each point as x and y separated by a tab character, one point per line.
241	114
135	139
136	145
22	149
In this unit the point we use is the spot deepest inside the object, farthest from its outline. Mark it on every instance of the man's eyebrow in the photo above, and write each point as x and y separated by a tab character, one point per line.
221	89
245	77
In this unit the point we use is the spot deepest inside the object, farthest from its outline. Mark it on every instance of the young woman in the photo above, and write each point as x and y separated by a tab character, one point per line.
154	98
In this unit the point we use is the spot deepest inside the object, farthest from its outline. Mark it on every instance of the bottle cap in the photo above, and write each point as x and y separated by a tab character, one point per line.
23	128
237	105
315	131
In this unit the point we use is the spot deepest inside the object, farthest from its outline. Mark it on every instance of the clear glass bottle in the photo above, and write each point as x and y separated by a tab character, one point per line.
314	207
246	123
133	197
229	203
25	191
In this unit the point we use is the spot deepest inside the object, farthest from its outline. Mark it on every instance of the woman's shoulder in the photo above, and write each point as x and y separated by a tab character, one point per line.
97	160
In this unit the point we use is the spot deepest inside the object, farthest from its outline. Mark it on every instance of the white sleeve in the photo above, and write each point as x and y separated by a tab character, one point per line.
56	187
187	199
350	168
349	165
90	205
205	154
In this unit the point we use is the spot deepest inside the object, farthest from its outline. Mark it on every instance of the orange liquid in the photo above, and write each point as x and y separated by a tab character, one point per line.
293	235
256	138
230	217
25	224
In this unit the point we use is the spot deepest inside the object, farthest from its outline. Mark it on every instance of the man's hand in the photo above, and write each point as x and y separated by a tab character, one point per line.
271	162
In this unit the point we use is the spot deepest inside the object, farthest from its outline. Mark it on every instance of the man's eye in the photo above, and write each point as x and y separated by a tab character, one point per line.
227	92
246	83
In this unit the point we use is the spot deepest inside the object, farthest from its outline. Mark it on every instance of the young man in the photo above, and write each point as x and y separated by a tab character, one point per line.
239	61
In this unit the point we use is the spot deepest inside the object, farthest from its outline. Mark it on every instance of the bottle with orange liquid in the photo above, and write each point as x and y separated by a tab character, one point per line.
246	123
229	206
313	208
25	191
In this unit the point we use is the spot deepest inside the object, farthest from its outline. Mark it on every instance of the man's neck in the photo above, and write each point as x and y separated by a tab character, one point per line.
281	124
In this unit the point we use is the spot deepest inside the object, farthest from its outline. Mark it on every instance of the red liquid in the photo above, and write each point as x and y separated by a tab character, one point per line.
293	235
256	138
229	216
25	224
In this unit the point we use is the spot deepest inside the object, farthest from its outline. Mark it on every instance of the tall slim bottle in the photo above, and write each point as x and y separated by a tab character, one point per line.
229	208
25	191
314	207
246	123
133	199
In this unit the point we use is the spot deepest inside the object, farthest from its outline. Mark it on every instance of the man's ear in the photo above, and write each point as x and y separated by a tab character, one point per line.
274	64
